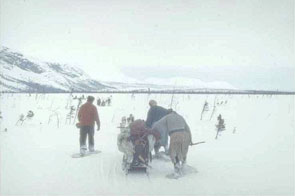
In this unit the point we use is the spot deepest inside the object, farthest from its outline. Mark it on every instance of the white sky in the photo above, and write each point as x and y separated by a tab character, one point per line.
247	43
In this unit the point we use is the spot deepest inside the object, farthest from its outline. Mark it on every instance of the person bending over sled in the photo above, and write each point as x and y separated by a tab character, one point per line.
180	139
155	113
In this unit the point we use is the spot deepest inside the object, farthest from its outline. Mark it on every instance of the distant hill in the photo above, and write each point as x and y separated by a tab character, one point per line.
21	74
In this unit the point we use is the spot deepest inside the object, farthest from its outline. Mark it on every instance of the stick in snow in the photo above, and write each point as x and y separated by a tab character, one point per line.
213	108
205	107
192	144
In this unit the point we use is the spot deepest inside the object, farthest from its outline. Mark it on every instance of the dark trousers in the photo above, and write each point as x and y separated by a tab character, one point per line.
84	131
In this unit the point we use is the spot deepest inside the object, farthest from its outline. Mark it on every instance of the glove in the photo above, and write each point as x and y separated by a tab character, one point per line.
78	125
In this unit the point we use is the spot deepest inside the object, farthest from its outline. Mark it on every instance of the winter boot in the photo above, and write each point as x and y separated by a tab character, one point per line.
177	170
91	149
83	150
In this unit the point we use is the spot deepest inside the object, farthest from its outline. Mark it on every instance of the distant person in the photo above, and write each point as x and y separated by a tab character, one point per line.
87	116
98	102
155	113
130	119
109	101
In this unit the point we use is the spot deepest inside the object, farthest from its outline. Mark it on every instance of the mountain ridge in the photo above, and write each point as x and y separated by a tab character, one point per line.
23	74
20	74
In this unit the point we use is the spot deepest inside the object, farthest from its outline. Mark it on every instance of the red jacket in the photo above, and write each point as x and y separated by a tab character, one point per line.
88	115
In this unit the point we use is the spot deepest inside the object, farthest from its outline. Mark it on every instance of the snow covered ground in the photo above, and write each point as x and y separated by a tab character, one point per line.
253	156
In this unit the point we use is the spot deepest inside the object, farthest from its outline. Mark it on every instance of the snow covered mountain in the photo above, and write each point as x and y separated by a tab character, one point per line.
23	74
20	74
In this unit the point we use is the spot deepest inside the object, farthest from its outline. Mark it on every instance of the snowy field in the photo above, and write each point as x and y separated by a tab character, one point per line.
253	156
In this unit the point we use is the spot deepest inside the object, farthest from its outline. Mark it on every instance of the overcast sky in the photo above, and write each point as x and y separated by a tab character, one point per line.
247	43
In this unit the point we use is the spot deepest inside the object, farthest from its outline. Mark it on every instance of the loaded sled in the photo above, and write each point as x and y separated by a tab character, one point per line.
140	158
136	143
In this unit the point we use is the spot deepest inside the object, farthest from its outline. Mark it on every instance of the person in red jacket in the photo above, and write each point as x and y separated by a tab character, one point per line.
87	116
